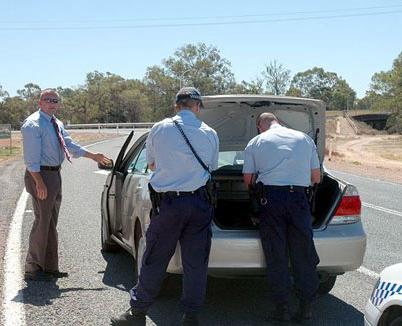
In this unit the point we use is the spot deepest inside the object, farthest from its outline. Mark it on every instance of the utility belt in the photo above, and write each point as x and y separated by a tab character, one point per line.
50	168
286	188
156	197
171	194
258	194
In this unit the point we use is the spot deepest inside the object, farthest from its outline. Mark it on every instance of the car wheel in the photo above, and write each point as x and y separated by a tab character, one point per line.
139	248
326	284
108	245
395	318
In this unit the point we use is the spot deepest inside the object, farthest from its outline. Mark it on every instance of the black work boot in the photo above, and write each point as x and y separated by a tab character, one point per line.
280	314
190	319
304	312
131	317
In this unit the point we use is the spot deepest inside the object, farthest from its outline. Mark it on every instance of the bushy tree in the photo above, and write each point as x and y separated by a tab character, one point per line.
326	86
276	77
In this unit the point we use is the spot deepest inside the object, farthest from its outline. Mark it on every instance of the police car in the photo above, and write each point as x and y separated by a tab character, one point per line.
385	304
236	247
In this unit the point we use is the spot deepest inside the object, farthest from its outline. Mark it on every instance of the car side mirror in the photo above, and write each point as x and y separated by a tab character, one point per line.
108	166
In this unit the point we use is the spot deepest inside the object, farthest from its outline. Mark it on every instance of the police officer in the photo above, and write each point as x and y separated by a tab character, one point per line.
286	162
184	213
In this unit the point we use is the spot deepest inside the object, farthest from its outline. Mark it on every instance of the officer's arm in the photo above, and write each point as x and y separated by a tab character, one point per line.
150	150
315	176
248	179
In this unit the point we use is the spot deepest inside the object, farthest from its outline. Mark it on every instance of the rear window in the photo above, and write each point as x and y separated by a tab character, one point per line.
230	158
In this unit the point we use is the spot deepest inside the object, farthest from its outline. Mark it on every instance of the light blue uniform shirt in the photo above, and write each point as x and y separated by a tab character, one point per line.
41	145
177	169
281	156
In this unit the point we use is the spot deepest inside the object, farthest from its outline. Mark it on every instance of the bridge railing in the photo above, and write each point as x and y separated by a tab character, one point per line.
351	122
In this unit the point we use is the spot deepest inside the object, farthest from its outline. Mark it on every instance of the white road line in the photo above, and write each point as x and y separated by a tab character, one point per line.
382	209
13	301
366	178
100	142
13	304
368	272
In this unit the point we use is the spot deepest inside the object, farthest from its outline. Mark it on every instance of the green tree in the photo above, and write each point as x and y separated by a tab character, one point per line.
385	94
326	86
13	110
277	78
200	66
30	94
3	93
255	86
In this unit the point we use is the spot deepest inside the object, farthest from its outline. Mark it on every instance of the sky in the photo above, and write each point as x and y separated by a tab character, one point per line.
56	43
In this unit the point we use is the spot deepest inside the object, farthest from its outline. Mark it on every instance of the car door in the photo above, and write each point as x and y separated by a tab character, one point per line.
115	184
133	193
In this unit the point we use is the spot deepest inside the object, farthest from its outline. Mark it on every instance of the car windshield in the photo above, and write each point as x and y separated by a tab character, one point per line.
231	158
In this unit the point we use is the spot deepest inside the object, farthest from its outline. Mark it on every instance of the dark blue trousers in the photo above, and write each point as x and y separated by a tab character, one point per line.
186	219
286	234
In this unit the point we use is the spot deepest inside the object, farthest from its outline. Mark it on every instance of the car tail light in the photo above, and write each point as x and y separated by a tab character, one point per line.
349	209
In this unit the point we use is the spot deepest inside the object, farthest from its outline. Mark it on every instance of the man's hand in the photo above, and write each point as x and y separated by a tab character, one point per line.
41	190
99	158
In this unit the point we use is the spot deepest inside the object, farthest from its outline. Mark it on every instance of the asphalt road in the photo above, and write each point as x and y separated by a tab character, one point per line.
98	283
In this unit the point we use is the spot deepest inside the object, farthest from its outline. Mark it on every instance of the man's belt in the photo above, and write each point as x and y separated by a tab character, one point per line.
182	193
50	168
286	188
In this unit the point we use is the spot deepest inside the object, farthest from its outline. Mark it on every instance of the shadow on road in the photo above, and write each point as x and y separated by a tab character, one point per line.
40	293
119	272
241	301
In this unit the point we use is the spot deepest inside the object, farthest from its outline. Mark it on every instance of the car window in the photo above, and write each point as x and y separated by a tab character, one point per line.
139	163
227	158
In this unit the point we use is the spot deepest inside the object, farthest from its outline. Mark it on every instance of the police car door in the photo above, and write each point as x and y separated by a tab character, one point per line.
114	190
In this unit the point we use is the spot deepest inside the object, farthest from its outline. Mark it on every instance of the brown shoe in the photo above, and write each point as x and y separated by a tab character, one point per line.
57	274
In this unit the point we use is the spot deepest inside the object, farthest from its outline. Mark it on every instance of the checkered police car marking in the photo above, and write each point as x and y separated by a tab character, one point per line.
385	290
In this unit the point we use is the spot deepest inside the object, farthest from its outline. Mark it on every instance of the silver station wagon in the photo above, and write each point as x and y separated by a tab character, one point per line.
236	248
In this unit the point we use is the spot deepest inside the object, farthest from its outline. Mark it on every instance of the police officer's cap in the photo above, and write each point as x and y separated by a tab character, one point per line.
188	93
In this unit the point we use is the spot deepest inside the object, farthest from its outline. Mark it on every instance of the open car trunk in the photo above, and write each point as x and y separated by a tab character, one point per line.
234	210
233	117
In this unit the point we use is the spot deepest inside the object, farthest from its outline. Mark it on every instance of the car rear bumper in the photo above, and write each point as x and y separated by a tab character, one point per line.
341	248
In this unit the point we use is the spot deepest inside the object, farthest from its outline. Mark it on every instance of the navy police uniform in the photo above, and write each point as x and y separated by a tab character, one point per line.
185	213
282	159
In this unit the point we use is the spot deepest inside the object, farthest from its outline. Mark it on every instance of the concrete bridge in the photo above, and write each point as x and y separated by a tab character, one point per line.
376	120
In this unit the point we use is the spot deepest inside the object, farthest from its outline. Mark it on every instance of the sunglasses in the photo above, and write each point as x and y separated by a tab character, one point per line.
51	100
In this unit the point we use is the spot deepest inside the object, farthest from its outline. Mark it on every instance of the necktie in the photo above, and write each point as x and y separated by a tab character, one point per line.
61	139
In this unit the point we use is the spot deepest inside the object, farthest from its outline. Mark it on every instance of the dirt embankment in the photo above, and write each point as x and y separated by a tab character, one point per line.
357	148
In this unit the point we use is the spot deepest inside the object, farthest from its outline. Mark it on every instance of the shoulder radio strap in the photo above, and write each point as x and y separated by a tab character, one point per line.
189	145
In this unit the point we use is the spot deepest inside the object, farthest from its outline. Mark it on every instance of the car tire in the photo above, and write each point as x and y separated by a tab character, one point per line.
395	319
326	285
108	245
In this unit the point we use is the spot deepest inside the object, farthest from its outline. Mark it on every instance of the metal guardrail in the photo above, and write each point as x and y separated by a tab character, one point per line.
118	125
351	122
